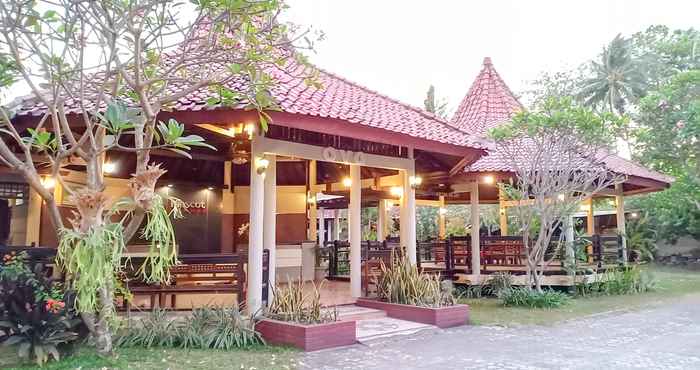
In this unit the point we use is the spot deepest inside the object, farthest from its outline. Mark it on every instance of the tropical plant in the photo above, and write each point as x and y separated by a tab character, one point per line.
293	304
617	281
403	283
617	79
641	239
207	327
526	297
121	75
558	154
35	315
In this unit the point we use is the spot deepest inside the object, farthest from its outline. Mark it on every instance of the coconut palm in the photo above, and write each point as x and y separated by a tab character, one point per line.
617	79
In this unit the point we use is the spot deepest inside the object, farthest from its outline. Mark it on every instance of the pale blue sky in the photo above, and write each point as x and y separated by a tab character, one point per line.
401	47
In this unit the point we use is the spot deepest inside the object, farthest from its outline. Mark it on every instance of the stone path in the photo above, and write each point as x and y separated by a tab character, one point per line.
664	337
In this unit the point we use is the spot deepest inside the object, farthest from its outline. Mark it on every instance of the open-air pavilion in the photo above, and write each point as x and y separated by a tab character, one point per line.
254	202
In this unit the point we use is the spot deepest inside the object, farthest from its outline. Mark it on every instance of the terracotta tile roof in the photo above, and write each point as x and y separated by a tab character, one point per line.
337	98
488	103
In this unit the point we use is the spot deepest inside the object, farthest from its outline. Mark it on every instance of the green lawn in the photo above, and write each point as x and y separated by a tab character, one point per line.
671	283
260	358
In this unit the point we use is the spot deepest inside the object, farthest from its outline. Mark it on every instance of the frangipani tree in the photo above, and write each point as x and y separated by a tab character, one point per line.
558	155
100	72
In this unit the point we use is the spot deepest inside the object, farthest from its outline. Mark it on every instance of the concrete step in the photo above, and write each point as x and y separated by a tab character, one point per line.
352	312
370	331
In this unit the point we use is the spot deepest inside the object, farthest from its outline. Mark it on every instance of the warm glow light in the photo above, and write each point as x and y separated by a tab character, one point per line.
347	182
443	211
210	188
488	179
396	191
261	165
109	167
415	181
250	129
170	185
634	214
561	196
48	182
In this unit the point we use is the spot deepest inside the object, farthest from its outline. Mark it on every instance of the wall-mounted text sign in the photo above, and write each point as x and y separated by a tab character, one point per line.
346	156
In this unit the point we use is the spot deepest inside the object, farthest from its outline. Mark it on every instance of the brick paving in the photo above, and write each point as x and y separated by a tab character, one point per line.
661	337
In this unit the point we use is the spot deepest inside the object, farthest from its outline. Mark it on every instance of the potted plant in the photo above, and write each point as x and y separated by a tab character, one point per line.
406	293
298	319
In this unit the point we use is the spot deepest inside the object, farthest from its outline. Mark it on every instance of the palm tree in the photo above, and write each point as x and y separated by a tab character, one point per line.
617	79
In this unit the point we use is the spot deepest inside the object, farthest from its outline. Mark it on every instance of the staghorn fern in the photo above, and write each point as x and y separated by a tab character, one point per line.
91	259
159	231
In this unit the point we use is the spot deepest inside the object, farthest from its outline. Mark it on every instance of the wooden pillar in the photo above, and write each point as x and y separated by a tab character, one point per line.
270	219
408	216
502	210
442	228
255	232
476	246
381	220
355	231
227	210
313	212
620	216
590	217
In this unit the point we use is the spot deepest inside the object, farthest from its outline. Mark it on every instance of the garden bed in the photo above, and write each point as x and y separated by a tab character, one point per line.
442	317
309	337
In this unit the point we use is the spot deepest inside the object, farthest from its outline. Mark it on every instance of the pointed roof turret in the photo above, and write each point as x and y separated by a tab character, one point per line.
488	103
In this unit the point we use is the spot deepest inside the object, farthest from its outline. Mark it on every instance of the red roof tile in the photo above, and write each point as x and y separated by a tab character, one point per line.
336	98
490	103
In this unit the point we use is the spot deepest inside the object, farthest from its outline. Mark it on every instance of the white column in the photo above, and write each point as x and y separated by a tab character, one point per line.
255	233
621	228
336	224
476	255
270	218
354	221
321	227
381	220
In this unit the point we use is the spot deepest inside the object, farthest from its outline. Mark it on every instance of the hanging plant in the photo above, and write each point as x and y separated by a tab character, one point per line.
159	231
91	259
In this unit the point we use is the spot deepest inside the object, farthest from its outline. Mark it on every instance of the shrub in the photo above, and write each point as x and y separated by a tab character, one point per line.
498	282
292	304
35	315
618	281
403	283
525	297
207	327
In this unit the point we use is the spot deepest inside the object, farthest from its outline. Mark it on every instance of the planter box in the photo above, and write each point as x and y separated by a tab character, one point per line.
443	317
307	337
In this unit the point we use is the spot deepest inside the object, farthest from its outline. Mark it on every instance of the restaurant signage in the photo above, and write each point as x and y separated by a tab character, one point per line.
346	156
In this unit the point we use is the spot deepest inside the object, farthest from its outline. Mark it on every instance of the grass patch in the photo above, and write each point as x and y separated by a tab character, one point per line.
259	357
671	284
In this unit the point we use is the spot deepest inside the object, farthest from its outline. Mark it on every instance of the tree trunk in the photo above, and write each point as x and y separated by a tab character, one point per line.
103	334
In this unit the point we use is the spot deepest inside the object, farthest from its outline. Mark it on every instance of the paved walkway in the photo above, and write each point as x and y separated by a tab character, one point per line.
664	337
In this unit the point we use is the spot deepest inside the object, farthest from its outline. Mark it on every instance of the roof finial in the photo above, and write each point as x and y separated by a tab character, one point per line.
487	61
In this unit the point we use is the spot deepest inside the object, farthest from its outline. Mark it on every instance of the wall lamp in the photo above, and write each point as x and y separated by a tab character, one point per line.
48	182
347	182
261	165
250	130
396	191
109	167
488	179
415	181
442	211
